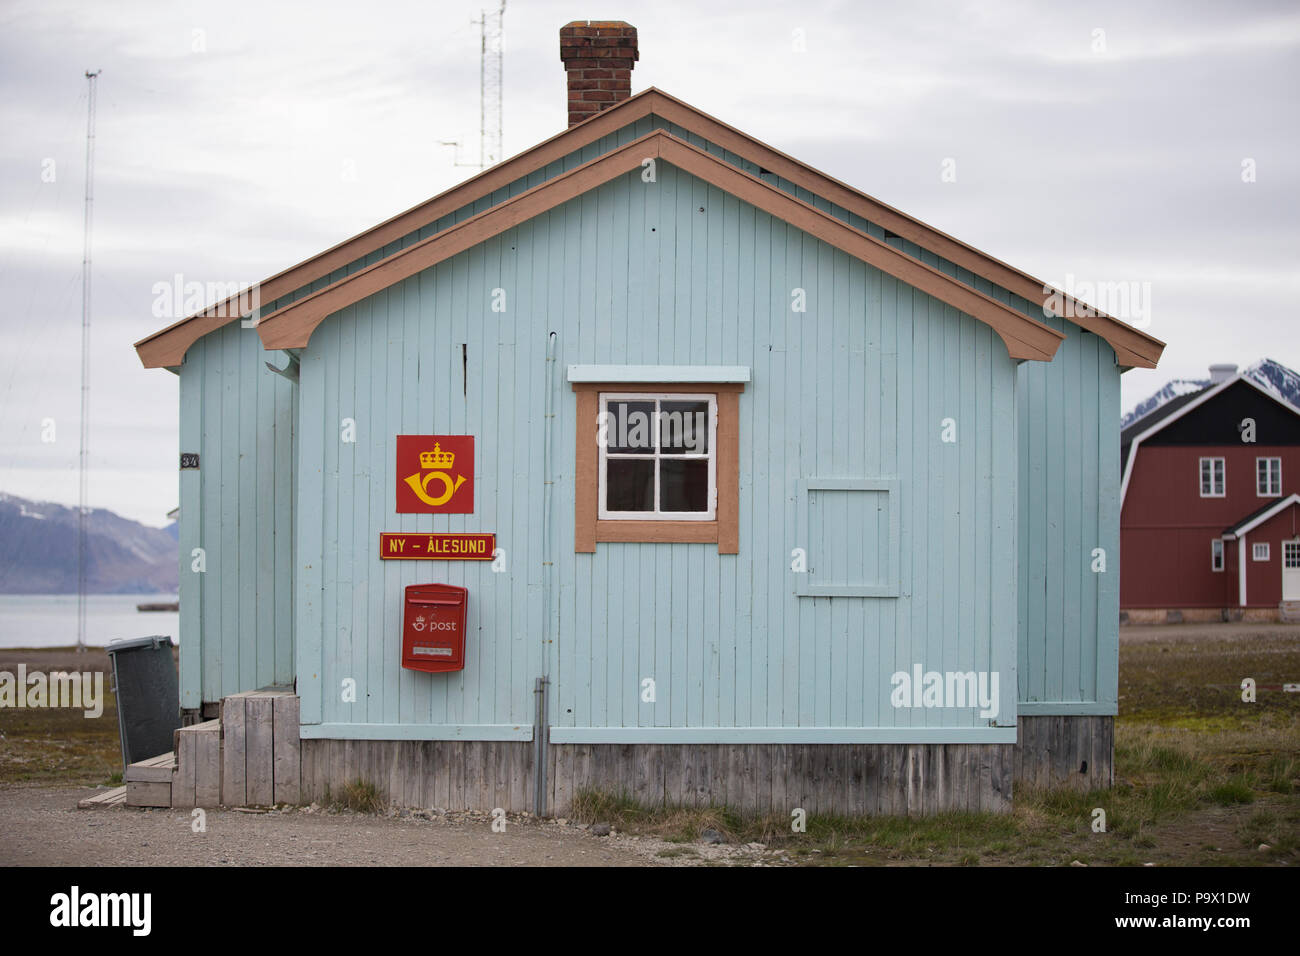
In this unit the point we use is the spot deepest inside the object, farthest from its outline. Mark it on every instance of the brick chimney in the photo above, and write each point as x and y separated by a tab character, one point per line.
598	56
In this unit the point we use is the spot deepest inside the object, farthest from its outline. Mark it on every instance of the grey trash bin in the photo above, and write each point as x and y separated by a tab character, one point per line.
148	696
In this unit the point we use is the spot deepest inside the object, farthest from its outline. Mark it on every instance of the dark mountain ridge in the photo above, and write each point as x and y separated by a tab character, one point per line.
38	551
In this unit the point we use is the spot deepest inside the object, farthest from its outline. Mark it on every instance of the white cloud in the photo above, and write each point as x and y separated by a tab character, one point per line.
226	164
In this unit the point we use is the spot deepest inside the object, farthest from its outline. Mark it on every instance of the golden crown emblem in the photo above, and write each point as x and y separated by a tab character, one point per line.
437	458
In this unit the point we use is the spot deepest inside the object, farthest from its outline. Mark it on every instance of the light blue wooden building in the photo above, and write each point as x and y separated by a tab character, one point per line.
874	586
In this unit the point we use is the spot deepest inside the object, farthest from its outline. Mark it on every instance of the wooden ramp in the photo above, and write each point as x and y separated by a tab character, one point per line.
105	800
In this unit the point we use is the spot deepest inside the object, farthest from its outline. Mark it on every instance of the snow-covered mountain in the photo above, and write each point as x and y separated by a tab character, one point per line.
1274	376
38	551
1171	390
1278	379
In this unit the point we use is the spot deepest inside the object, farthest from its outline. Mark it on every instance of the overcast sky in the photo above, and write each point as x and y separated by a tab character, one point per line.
1110	142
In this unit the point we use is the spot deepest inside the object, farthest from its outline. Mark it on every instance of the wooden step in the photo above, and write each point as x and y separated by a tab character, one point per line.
104	800
261	752
142	793
154	770
149	782
197	780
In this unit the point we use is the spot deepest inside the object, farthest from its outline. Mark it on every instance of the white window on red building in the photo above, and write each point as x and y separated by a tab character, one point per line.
1212	478
1268	477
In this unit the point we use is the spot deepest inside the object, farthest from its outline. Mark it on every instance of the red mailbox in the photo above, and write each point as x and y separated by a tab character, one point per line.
433	627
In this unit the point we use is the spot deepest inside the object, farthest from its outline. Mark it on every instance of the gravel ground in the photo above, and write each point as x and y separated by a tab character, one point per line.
41	826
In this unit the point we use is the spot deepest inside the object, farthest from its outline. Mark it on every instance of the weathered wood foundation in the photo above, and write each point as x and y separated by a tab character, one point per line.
253	757
1076	751
848	779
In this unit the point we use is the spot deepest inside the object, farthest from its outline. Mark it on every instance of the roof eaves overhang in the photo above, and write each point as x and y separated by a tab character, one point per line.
1253	521
292	325
1133	348
168	346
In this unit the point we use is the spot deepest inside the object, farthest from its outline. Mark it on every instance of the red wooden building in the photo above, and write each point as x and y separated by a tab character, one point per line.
1210	514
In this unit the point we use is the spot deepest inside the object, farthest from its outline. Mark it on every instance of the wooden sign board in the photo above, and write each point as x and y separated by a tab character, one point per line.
416	546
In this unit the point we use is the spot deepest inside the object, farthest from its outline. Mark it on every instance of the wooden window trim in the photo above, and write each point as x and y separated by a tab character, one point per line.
588	528
1218	555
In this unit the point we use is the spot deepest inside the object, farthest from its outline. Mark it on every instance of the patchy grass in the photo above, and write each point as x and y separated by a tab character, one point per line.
52	746
1189	677
1275	828
949	837
1201	778
359	796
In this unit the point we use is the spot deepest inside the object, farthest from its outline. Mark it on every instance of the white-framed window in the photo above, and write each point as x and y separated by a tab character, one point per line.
1216	554
658	456
1259	551
1268	477
1291	554
1212	480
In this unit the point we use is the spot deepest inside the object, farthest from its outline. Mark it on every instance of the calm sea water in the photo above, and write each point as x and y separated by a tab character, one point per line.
50	620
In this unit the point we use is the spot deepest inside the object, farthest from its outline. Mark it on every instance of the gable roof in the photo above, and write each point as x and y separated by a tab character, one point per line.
1152	424
1257	517
1147	421
291	325
1132	347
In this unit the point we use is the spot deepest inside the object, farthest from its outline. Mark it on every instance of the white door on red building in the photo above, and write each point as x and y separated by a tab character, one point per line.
1291	570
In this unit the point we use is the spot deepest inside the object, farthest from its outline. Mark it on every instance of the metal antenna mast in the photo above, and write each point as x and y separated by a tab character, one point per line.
490	86
491	83
85	364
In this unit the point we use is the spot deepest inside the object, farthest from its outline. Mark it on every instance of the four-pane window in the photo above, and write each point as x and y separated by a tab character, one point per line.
1212	481
1268	477
657	456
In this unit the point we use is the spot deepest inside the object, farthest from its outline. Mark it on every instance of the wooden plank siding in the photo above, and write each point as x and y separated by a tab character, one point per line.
766	700
1058	493
636	607
236	616
1068	414
1070	500
1086	654
244	518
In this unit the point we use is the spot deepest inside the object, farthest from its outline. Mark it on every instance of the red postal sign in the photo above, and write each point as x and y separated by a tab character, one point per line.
417	546
435	474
